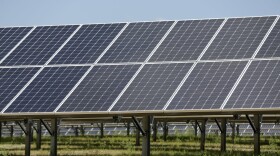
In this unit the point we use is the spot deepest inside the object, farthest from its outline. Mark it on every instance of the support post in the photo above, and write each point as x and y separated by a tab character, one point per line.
257	134
223	134
165	131
137	137
146	137
76	131
101	130
12	131
203	134
232	131
237	130
155	131
195	128
53	151
128	129
28	129
82	130
0	131
39	134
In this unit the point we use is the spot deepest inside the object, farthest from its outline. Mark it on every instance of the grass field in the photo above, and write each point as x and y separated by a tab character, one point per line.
179	145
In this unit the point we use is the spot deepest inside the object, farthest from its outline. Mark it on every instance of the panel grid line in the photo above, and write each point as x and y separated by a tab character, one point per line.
18	44
88	71
141	67
39	71
193	66
248	64
134	63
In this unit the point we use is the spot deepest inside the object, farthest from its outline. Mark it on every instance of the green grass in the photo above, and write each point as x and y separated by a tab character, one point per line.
178	145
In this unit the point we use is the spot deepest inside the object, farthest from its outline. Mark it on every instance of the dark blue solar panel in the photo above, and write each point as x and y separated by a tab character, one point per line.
208	85
48	89
100	88
40	45
87	44
271	47
12	80
152	87
187	40
136	42
259	87
9	37
239	38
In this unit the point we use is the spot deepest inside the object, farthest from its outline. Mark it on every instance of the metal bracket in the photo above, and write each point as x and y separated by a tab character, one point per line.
277	122
99	125
160	124
232	125
8	126
251	123
138	126
117	118
218	124
46	125
236	116
21	127
125	125
198	125
35	129
165	126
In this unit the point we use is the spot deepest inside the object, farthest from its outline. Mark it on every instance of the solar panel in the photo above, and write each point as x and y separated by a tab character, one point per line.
136	42
40	45
11	82
9	37
186	40
271	46
68	81
48	89
87	44
100	88
259	87
152	87
239	38
207	86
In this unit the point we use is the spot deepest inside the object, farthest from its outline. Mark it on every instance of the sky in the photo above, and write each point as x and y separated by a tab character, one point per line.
59	12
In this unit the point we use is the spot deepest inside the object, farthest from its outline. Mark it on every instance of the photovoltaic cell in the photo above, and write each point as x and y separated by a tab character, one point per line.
259	87
40	45
12	80
9	37
48	89
87	44
136	42
207	86
271	47
99	89
152	87
239	38
186	40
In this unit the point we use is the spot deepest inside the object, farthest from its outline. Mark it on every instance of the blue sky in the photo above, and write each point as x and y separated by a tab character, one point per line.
54	12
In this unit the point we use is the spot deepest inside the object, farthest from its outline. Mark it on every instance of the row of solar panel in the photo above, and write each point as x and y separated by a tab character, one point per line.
205	87
120	129
238	38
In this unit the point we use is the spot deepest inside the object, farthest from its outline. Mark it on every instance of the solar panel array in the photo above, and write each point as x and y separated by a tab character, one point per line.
166	65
